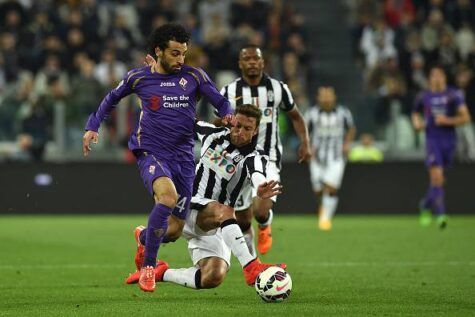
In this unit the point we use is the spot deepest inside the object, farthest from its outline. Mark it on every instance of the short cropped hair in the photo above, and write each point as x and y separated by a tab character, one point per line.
165	33
250	111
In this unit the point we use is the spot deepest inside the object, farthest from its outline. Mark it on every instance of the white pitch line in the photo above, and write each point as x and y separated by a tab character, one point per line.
441	263
59	266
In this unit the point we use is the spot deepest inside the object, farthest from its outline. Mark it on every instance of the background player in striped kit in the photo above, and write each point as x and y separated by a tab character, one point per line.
331	133
163	138
271	96
443	108
228	160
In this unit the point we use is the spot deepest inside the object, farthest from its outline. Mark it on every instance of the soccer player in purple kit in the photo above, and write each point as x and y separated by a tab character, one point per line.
438	109
163	139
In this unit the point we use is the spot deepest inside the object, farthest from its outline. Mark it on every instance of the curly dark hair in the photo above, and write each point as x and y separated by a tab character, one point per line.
250	111
167	32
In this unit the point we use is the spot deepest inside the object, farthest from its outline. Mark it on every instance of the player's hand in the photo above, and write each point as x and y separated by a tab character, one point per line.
229	119
86	141
442	120
417	123
269	189
150	61
305	153
346	149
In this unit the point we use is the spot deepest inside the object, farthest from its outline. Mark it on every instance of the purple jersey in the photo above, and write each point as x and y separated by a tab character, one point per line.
168	109
432	104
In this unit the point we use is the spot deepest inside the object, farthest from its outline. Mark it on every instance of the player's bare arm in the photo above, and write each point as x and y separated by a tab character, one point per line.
86	141
462	117
417	121
349	137
300	127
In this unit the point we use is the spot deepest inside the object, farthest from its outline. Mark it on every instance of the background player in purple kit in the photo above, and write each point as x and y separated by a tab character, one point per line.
163	139
442	108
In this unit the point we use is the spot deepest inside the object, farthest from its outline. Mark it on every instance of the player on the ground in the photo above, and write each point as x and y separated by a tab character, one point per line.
163	138
438	109
229	159
271	96
331	131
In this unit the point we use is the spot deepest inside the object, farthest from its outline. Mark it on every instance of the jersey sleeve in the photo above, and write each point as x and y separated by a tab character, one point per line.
208	89
204	129
110	101
256	166
458	99
287	103
348	119
418	104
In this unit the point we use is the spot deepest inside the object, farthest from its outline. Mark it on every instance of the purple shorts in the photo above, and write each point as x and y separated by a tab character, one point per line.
182	174
440	152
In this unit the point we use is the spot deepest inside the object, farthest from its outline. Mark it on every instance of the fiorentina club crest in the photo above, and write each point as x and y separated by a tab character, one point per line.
151	169
183	83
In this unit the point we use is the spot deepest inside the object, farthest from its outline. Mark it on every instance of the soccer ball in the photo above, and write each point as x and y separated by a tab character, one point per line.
273	284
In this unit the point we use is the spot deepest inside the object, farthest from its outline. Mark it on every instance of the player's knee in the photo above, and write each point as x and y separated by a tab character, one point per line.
168	199
212	278
225	213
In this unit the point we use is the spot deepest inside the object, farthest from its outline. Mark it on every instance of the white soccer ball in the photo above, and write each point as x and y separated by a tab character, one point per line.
273	284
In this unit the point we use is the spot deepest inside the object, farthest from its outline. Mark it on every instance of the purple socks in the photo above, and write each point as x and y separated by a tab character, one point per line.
435	200
155	231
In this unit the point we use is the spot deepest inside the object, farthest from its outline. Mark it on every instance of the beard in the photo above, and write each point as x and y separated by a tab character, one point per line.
167	67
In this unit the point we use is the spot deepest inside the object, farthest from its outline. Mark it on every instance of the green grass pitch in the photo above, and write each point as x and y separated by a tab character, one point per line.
367	265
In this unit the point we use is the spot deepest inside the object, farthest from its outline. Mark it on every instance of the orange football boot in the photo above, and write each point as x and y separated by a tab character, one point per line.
140	254
160	269
264	239
253	268
147	279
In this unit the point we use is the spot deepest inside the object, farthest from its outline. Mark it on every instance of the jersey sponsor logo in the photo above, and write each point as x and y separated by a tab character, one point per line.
219	162
175	101
154	103
167	84
183	83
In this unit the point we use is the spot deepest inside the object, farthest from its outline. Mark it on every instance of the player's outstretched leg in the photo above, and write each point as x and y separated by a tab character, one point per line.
216	214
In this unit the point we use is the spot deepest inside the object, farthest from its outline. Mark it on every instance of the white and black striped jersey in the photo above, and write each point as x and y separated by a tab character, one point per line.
327	131
223	169
271	96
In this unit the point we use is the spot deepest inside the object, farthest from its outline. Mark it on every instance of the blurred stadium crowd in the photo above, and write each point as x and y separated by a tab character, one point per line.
59	58
395	41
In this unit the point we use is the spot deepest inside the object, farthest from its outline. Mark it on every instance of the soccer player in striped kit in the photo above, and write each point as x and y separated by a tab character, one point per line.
271	96
163	139
439	110
229	161
331	132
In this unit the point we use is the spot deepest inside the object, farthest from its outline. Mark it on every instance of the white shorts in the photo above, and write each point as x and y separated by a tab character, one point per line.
244	200
203	244
330	174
